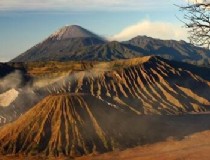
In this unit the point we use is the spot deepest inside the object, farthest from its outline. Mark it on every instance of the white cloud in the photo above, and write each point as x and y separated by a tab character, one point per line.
162	30
82	4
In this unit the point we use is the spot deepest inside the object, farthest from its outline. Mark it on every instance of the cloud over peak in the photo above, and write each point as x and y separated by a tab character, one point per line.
162	30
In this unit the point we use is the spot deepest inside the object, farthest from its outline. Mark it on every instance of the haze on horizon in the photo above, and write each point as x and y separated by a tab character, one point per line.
25	23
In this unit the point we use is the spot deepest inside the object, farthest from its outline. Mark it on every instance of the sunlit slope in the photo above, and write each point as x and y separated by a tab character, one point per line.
66	124
148	85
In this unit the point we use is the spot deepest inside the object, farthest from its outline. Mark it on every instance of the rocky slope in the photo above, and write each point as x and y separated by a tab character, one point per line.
149	85
73	125
64	124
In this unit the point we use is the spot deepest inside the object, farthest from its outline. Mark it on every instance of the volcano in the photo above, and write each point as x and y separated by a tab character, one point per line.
60	45
65	124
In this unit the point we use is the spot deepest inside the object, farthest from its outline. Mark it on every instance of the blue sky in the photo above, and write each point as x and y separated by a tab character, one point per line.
24	23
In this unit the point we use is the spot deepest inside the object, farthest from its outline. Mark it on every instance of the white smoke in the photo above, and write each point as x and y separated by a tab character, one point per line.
12	80
162	30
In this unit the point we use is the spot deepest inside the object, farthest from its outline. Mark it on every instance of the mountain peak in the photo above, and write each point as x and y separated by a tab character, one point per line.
144	38
72	31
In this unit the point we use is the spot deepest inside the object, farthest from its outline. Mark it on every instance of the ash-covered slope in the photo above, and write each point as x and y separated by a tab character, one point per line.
66	124
148	85
66	41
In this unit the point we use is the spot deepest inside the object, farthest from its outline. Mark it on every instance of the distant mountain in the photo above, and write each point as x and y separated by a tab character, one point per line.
103	52
77	43
66	40
171	49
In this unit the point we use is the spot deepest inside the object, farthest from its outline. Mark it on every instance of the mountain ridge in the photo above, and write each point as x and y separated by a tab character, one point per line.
76	43
171	49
